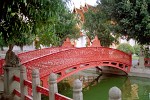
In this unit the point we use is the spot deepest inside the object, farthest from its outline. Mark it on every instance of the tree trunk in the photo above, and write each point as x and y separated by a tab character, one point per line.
21	47
11	47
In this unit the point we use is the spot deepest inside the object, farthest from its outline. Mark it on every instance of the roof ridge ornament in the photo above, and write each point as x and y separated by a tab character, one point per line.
67	43
96	42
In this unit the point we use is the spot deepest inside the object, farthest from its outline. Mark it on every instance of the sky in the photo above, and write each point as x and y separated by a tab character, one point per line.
77	3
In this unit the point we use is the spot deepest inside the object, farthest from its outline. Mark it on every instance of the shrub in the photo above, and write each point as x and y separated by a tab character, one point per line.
136	49
63	86
125	47
147	52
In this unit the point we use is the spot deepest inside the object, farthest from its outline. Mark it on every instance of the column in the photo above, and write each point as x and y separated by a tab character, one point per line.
35	83
141	59
52	86
77	90
23	76
9	83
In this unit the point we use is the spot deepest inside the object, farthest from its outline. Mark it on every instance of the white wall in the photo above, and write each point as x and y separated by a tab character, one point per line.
81	41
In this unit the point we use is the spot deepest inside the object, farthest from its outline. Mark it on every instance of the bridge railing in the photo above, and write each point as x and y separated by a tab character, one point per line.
37	90
147	62
1	66
22	92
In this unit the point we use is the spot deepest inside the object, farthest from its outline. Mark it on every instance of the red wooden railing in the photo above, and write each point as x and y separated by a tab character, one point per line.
15	92
42	90
147	62
1	66
26	83
61	97
15	78
34	54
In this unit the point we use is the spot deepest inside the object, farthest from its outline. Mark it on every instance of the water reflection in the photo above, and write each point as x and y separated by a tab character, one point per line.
130	91
96	87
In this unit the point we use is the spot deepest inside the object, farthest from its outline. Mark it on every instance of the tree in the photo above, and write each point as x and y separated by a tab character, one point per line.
137	49
2	43
125	47
21	19
61	25
133	19
98	22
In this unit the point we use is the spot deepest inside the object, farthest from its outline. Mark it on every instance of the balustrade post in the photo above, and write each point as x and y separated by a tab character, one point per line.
52	86
9	83
115	93
77	90
35	83
141	59
23	76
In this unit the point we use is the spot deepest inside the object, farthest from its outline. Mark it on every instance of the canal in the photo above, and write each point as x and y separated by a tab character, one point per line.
96	87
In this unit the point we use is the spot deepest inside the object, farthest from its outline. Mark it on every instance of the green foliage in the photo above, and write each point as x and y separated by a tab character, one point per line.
63	86
22	20
60	26
2	42
137	49
43	97
125	47
147	52
133	19
98	22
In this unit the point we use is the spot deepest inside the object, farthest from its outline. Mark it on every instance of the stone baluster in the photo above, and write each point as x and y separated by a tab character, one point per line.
52	86
23	76
9	83
141	59
77	90
115	93
35	83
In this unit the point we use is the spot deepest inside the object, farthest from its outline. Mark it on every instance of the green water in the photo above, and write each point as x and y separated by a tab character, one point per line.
133	88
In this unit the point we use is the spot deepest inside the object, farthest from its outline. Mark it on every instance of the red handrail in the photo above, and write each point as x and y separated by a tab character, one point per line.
1	66
15	92
61	97
42	90
16	78
147	61
28	83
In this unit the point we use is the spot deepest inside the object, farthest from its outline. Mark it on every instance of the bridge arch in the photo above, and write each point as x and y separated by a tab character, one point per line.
77	59
74	69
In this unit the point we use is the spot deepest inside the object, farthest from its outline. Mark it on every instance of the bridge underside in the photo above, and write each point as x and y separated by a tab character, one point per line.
66	72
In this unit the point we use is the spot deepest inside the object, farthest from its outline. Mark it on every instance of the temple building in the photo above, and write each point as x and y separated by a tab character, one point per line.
82	41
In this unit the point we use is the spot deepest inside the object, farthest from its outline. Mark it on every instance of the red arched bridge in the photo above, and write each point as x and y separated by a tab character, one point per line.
66	61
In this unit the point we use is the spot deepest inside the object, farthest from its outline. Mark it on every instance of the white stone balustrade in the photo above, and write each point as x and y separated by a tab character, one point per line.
114	92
